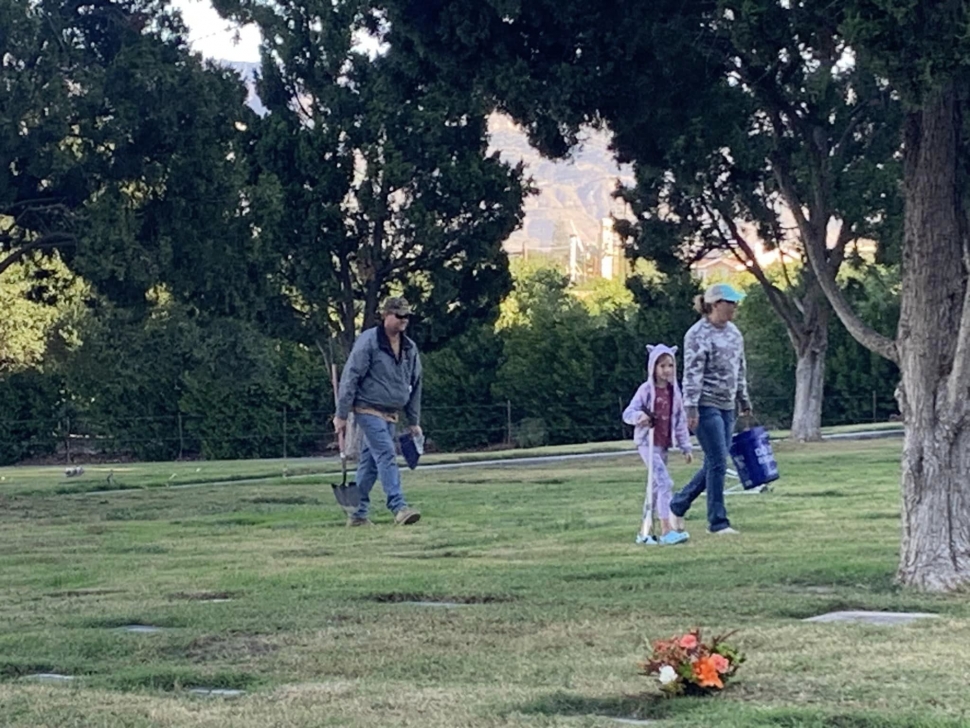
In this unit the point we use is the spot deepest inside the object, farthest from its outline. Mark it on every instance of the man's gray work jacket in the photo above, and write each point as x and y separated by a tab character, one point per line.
374	378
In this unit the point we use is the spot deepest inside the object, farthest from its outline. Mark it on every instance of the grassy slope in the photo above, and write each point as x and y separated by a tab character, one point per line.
561	603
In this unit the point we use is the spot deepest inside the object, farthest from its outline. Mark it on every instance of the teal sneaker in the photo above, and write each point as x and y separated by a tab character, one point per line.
674	537
646	540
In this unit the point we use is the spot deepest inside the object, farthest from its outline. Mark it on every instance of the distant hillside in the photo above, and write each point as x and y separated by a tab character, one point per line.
576	193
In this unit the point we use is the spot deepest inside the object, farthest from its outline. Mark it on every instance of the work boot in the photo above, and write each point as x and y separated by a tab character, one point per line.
353	521
406	516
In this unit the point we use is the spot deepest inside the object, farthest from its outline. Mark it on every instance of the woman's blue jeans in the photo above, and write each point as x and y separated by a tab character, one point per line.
714	429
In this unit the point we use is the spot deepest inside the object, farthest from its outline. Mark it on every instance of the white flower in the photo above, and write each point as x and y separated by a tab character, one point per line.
667	674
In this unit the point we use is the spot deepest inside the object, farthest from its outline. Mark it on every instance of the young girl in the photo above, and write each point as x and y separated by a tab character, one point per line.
658	404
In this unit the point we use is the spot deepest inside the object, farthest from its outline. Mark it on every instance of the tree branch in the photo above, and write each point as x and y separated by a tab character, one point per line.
837	254
860	330
779	301
784	272
47	242
854	120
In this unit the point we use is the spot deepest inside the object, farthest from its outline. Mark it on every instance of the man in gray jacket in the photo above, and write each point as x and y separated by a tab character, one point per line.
382	377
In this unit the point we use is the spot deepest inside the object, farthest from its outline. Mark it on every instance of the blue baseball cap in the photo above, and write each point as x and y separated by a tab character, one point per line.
723	292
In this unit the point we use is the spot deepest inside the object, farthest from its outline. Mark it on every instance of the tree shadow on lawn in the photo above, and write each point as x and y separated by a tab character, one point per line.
629	707
647	707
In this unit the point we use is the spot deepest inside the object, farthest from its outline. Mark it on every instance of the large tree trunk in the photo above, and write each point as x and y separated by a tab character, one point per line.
806	424
935	554
809	337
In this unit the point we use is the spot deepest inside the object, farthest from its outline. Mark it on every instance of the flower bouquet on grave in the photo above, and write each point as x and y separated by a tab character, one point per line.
686	665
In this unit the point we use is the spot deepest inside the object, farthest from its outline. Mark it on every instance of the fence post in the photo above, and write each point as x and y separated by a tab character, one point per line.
181	436
619	399
284	433
67	439
874	406
508	422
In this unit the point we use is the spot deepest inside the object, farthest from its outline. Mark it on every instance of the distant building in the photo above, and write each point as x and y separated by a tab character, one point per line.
613	260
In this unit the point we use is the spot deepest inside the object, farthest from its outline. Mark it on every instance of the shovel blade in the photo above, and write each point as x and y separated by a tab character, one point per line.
347	495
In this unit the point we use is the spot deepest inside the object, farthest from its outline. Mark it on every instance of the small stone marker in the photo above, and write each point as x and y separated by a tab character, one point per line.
50	677
141	628
445	605
217	692
881	618
629	721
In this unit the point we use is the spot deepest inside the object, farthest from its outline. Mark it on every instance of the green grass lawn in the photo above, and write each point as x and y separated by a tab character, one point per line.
556	601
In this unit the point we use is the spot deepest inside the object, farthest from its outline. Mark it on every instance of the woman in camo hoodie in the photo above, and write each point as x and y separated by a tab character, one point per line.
714	388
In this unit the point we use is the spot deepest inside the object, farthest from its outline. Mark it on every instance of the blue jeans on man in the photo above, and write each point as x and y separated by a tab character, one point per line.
378	459
714	429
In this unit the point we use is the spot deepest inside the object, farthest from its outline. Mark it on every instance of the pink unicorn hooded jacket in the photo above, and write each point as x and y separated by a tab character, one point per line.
643	402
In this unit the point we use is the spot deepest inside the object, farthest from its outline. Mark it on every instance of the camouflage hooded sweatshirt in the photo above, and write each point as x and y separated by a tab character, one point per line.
714	368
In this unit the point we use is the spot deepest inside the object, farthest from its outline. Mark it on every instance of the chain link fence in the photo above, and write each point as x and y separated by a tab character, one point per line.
307	433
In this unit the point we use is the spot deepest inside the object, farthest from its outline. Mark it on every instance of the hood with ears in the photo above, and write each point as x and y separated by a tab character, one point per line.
654	352
646	395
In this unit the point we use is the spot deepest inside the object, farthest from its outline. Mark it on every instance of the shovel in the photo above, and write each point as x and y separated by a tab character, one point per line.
347	494
646	527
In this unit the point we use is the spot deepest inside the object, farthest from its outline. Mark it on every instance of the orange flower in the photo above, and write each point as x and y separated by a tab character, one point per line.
720	663
706	673
688	641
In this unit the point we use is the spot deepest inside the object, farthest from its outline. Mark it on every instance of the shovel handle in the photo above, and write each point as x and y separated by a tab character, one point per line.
336	396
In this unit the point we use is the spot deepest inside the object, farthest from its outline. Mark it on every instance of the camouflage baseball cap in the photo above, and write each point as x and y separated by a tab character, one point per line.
397	305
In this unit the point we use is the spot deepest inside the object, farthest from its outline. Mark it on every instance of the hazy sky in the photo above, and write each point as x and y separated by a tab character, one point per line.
214	37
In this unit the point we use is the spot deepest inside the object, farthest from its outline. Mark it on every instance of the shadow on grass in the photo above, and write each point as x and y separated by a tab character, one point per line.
814	494
14	670
295	500
803	719
172	680
401	597
630	707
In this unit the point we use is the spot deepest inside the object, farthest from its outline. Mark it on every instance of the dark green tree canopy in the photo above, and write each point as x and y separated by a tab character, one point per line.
125	151
387	181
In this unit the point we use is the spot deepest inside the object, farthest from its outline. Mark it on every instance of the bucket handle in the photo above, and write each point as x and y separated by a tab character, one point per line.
748	421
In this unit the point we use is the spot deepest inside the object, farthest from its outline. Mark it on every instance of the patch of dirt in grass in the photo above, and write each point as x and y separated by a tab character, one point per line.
628	707
880	515
426	555
231	647
304	553
203	596
123	622
83	593
139	548
284	500
243	519
13	670
400	597
172	680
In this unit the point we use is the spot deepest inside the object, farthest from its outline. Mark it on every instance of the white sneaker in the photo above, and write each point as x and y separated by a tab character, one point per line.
677	522
723	531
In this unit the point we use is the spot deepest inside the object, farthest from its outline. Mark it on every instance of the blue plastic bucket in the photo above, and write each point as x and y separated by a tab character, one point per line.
753	457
